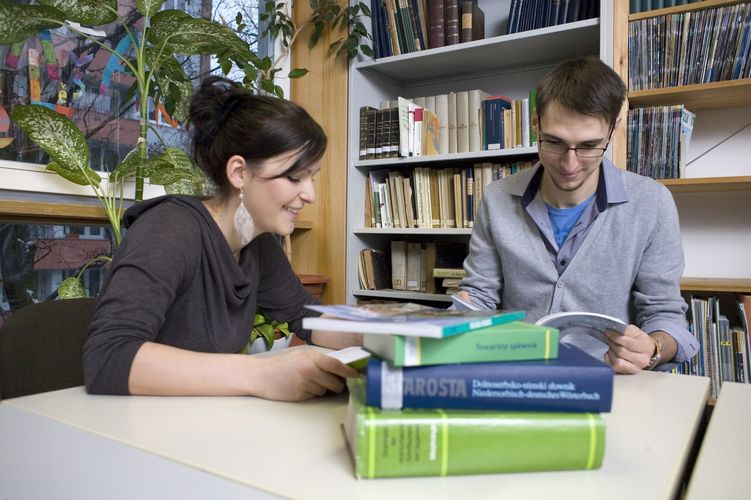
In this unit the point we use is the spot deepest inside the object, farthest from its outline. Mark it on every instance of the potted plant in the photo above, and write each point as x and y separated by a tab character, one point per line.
267	334
157	41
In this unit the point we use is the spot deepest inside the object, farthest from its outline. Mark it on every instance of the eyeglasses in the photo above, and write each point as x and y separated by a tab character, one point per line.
559	148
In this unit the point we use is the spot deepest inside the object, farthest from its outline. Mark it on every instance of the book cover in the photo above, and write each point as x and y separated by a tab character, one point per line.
405	318
579	322
453	442
515	341
574	382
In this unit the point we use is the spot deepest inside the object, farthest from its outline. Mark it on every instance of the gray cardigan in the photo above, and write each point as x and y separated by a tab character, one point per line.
628	266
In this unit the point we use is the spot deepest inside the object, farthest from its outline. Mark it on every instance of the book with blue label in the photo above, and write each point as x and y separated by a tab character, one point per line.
574	382
405	319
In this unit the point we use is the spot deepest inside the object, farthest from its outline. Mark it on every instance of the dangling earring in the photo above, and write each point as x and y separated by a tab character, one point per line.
244	224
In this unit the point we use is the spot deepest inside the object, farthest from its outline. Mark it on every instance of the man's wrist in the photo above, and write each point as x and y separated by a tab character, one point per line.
656	357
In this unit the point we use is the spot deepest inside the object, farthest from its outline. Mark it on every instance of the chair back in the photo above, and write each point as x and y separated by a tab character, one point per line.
41	347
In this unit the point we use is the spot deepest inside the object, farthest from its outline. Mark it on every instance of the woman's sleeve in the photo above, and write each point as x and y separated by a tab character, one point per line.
148	270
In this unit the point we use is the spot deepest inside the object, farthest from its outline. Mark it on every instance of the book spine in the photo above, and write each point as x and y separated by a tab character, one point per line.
437	36
514	341
441	443
452	22
466	20
512	386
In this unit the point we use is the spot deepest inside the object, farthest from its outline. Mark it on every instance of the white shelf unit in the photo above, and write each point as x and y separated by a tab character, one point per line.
510	65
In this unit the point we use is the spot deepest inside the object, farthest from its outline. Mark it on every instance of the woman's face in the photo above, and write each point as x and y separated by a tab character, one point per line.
274	202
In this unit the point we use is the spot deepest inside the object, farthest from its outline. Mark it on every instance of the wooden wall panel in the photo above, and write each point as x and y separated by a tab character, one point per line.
323	93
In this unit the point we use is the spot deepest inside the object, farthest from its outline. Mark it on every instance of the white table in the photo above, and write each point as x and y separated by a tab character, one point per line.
67	444
722	467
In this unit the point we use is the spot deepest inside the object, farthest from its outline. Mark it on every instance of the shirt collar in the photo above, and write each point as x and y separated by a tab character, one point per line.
610	187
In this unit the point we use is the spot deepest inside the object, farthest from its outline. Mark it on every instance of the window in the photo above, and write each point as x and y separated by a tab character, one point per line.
35	258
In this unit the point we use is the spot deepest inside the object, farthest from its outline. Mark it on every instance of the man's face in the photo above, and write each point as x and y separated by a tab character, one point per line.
570	179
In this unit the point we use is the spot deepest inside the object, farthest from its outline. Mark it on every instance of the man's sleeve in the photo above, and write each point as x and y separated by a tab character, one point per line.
483	272
657	298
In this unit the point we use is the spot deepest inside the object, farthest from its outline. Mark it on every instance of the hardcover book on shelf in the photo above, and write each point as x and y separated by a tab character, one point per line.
405	318
515	341
454	442
574	382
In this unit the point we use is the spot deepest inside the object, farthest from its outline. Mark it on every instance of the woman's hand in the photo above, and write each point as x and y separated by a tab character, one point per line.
298	375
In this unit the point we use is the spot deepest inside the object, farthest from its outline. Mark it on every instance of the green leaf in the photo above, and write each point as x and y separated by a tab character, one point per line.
171	166
175	88
86	11
19	22
55	134
149	7
127	167
85	177
185	34
185	186
71	288
298	73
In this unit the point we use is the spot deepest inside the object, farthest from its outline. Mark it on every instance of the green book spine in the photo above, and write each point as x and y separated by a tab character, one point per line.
515	341
532	113
408	443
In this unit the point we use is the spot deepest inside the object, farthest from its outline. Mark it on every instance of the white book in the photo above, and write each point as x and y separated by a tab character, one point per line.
476	97
525	122
430	103
462	122
452	123
580	322
442	110
403	109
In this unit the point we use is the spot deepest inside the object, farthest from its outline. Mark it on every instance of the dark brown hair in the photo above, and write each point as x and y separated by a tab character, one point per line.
226	119
585	85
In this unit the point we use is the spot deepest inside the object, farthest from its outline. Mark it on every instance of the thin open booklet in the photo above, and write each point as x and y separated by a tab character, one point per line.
581	322
588	323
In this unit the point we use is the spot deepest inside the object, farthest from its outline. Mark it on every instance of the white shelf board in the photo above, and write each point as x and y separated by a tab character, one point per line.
491	55
414	231
472	155
401	295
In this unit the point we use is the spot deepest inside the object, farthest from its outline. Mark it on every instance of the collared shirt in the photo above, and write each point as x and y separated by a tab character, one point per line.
609	190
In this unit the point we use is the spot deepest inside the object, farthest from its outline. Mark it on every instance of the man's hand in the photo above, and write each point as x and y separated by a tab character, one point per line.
632	351
629	352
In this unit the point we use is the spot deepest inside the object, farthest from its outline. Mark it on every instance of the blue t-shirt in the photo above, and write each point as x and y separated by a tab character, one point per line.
564	219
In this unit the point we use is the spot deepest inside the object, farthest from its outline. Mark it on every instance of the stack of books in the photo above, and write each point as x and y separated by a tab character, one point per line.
468	392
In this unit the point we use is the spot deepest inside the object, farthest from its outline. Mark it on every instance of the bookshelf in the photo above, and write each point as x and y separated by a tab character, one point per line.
713	200
503	64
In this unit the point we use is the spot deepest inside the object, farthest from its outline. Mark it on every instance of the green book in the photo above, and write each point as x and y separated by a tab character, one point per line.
388	443
515	341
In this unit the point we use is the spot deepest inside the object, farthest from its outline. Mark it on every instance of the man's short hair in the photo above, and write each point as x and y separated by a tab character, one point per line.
585	85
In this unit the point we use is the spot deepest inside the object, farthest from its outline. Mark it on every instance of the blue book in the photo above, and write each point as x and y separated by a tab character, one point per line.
575	382
404	318
492	112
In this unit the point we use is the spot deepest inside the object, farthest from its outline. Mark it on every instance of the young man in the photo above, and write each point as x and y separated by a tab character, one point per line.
575	233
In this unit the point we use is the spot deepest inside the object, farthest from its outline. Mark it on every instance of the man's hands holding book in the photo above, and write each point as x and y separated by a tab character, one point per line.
634	349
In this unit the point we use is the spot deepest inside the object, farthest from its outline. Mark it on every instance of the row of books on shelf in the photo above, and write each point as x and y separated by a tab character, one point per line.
725	342
705	46
458	122
431	197
403	26
658	139
525	15
431	267
647	5
446	403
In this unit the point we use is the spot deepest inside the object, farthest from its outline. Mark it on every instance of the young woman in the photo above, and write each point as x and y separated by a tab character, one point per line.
186	281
